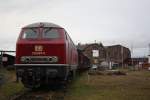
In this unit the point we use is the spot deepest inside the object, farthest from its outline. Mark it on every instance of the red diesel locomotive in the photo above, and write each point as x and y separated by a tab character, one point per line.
44	52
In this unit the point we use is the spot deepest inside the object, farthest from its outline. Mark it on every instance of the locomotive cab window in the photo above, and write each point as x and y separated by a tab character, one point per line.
51	33
30	34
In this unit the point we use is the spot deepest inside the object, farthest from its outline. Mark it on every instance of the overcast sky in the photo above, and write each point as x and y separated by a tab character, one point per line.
111	22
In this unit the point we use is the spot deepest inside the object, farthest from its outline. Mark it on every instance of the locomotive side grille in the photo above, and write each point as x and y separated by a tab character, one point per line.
39	59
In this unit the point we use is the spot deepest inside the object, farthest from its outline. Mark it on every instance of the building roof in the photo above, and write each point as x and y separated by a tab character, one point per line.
117	45
85	46
111	46
8	55
42	24
139	59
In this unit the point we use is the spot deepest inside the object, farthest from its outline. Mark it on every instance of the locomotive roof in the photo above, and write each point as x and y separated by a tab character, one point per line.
42	24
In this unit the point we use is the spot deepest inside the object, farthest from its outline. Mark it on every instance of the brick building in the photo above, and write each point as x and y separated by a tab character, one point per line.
87	50
137	61
117	53
109	54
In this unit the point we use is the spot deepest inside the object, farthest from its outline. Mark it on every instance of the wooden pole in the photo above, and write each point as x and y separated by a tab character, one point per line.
122	55
1	59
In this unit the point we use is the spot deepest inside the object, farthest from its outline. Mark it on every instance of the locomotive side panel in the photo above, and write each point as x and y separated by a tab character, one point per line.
72	55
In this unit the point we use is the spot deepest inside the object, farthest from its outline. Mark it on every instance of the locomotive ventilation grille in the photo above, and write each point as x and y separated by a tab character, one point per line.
39	59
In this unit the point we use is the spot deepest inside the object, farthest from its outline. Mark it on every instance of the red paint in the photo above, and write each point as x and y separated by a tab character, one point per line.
62	47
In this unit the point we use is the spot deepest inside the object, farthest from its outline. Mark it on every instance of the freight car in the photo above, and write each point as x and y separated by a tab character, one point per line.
83	60
44	52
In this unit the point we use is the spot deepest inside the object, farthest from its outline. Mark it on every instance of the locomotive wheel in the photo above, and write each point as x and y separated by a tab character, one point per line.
72	75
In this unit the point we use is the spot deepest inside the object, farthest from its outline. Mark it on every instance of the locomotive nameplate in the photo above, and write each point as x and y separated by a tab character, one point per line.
38	53
38	50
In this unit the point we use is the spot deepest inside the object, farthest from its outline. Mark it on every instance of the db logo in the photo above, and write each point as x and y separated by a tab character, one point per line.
38	48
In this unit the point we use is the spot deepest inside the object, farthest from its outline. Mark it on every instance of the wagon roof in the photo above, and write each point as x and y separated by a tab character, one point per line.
42	24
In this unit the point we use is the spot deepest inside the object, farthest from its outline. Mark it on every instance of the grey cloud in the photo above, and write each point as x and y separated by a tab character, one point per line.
110	21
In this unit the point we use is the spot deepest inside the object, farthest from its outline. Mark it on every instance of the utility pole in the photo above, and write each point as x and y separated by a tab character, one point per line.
149	49
149	54
1	60
122	55
95	41
132	54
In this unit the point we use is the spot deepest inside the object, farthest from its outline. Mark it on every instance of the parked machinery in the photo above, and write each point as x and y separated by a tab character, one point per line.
44	52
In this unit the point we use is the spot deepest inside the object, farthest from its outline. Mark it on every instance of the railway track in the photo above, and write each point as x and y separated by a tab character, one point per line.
43	93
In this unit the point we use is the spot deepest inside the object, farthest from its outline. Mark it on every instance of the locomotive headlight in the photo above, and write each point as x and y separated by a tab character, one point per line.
53	59
23	59
50	59
27	59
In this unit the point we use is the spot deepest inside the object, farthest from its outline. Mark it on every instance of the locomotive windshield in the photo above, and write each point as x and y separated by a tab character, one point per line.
45	33
30	34
50	33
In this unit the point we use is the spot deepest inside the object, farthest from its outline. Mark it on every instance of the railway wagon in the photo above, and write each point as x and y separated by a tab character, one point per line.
84	61
44	52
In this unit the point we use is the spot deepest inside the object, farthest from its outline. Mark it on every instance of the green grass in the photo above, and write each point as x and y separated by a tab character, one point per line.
10	87
133	86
